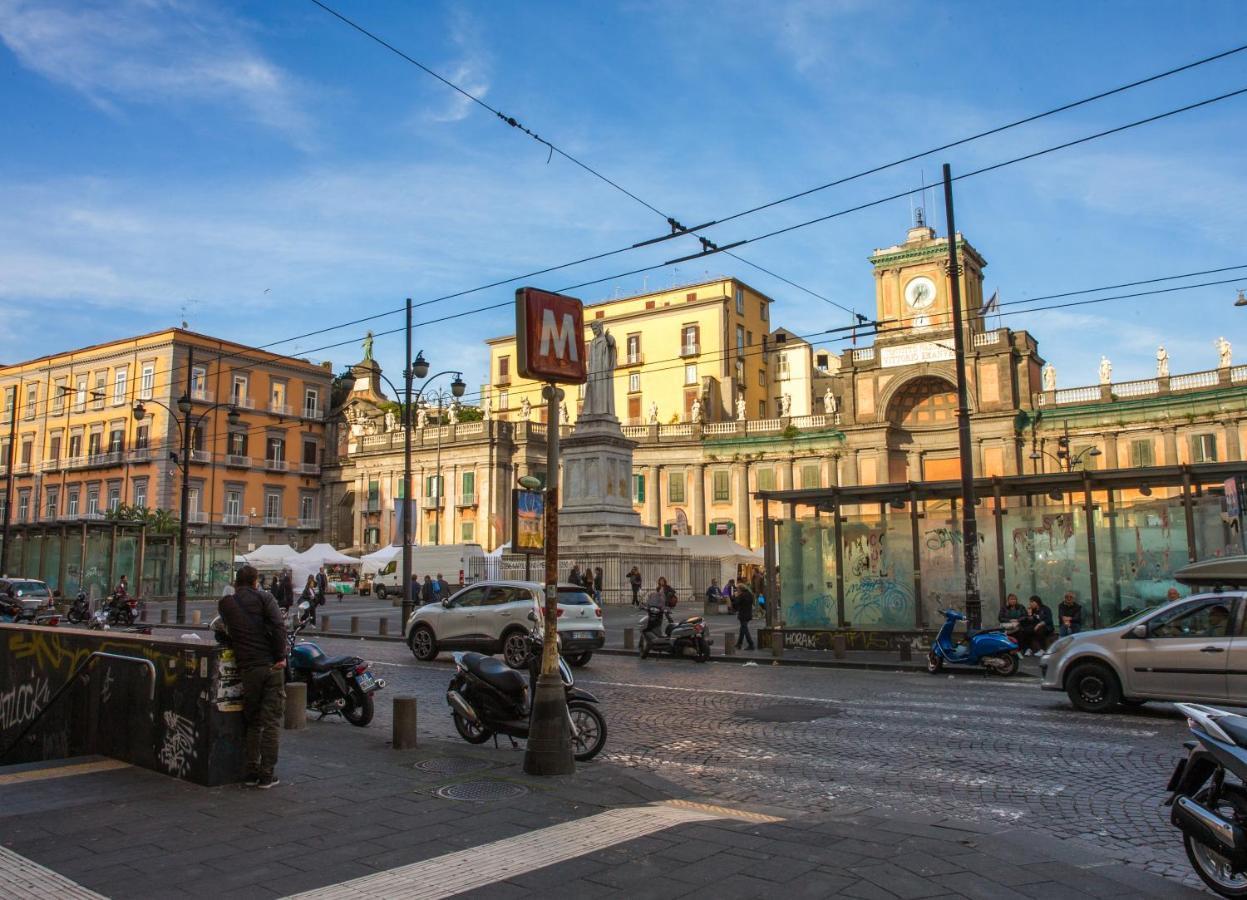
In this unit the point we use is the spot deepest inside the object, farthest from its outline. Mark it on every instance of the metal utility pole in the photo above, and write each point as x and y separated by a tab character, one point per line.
969	526
408	374
183	521
549	749
8	483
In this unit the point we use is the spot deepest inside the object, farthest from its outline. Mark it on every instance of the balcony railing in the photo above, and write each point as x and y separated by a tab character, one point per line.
276	465
96	516
201	456
309	468
274	521
690	349
312	412
372	505
465	500
197	517
243	402
233	519
309	524
203	396
280	409
237	461
140	455
104	459
432	502
636	359
863	354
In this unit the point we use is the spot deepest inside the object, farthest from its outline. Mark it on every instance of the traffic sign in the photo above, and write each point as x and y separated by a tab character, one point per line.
550	337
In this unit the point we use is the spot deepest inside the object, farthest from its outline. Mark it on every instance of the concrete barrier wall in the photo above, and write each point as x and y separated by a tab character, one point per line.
191	729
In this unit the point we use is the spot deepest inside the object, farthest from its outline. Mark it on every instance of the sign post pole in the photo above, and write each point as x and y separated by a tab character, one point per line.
550	347
549	748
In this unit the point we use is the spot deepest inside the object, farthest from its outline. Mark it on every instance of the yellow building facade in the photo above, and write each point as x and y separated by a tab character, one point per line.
695	342
78	449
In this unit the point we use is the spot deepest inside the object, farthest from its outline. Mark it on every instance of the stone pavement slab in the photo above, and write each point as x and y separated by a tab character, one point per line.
351	808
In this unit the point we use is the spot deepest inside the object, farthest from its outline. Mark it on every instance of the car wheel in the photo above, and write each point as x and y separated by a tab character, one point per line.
580	660
423	644
380	591
1093	687
515	649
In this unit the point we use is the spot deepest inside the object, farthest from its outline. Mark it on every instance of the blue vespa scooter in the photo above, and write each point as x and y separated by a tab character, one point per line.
992	649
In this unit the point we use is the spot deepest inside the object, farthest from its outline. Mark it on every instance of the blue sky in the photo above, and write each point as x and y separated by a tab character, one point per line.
272	171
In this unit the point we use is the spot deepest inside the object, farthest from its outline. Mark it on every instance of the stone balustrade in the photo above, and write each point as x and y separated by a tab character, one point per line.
1146	387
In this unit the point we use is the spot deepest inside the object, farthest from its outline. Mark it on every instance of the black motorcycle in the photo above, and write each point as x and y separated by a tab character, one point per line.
488	698
117	611
336	685
661	634
80	610
1209	807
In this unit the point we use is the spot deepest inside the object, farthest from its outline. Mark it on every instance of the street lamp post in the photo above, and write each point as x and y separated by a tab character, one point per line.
184	407
419	368
8	483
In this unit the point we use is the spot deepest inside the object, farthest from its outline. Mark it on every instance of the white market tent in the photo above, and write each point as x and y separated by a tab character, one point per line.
378	559
722	547
310	560
268	556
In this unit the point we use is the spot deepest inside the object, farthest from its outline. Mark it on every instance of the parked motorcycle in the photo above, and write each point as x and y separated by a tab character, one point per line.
336	685
991	648
661	634
118	611
80	610
1209	808
488	698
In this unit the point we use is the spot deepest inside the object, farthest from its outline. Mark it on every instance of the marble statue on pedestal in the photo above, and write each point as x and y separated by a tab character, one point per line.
1106	371
695	411
1162	362
740	409
600	387
1049	377
1223	352
653	412
526	409
829	402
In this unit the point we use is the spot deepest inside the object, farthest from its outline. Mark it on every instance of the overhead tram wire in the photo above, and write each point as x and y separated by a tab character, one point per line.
677	229
715	248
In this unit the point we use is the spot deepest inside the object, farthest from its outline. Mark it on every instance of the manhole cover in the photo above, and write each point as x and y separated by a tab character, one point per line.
481	791
452	765
789	713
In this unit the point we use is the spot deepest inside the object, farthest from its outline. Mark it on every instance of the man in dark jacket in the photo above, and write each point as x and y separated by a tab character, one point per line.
1069	614
1035	627
744	601
258	637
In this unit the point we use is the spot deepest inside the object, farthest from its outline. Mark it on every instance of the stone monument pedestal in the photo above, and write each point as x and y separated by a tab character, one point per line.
595	508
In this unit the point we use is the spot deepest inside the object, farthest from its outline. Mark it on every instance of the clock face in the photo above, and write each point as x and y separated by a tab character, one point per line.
920	292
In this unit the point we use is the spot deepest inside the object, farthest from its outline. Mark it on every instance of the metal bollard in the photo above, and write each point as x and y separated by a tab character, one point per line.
906	652
196	617
777	642
629	639
354	624
729	649
383	627
323	627
404	723
837	646
164	617
296	706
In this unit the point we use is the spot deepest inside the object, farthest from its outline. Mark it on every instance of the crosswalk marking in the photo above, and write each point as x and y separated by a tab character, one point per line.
464	870
22	879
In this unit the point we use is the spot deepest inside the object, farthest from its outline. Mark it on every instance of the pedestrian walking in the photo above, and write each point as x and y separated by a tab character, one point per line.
440	590
665	591
426	591
598	580
757	583
258	637
634	581
309	594
573	577
743	605
322	586
286	598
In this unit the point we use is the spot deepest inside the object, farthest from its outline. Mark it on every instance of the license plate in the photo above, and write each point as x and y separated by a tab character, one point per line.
582	635
366	682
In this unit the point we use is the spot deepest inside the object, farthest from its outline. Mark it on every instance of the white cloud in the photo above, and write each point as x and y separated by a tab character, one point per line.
470	70
150	51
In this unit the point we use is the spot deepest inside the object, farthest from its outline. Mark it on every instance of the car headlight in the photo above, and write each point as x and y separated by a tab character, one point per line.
1060	645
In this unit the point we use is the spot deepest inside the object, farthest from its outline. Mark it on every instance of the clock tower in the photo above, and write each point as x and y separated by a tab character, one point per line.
912	288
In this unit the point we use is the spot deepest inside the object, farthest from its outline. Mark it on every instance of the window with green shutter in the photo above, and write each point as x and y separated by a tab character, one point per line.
638	488
468	484
722	486
1142	453
810	476
766	479
675	487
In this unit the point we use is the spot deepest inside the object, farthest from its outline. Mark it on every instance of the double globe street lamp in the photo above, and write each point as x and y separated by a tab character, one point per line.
185	429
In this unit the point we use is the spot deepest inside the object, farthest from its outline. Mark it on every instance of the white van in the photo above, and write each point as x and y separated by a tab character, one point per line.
457	562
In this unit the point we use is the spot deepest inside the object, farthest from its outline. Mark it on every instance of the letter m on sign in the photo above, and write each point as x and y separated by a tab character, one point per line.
550	337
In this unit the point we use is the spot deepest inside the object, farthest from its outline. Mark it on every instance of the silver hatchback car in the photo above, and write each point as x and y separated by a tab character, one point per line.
1192	649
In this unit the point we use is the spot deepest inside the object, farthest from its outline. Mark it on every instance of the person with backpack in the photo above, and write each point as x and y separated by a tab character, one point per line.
743	602
257	635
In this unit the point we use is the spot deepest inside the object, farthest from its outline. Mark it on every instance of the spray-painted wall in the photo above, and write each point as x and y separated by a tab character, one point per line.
192	729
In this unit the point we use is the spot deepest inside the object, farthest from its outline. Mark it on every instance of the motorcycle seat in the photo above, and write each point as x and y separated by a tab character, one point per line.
1235	727
328	663
494	673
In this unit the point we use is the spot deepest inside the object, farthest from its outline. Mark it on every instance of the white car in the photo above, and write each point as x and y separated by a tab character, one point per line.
492	617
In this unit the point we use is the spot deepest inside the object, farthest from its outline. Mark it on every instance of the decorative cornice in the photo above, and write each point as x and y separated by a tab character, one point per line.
935	250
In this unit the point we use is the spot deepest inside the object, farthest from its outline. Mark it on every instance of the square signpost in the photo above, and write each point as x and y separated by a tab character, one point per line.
550	347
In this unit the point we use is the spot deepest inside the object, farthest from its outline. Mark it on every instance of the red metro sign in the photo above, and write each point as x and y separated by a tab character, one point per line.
550	337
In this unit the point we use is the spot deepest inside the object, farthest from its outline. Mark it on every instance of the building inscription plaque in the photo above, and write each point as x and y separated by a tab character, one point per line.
911	354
